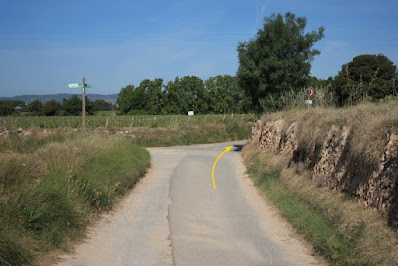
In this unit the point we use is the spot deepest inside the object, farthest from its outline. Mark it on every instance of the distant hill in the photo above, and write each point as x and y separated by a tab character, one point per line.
111	98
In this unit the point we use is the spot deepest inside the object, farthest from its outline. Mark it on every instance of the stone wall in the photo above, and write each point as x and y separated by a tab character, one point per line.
332	165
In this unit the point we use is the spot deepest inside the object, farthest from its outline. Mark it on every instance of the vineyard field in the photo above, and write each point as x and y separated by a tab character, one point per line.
12	123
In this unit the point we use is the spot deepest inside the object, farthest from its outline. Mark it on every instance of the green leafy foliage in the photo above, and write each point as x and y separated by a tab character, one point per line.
364	77
51	108
73	106
126	99
35	107
155	96
101	105
277	59
6	108
220	94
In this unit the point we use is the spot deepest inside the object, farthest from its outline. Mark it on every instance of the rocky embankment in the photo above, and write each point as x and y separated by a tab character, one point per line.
333	165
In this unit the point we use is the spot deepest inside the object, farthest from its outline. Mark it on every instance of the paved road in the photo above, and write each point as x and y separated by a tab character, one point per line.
175	216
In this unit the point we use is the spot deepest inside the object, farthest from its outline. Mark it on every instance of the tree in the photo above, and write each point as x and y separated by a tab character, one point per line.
72	106
131	98
318	83
101	105
35	107
154	95
277	59
6	108
365	76
89	106
17	103
225	96
186	94
51	108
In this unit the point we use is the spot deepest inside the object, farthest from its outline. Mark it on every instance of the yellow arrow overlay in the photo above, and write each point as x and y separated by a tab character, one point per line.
212	172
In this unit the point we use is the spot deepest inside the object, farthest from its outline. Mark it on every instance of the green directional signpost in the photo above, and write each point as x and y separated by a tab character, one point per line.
82	85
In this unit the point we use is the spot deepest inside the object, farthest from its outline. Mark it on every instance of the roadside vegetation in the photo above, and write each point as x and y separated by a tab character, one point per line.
110	121
370	123
339	228
185	135
53	184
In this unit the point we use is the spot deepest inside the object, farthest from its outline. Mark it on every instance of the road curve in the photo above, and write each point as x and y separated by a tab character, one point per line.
175	216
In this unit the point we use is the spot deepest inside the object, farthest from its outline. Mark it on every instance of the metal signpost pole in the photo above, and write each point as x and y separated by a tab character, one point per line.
84	86
84	105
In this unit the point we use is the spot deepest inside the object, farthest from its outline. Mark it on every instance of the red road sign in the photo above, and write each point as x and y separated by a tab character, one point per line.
311	91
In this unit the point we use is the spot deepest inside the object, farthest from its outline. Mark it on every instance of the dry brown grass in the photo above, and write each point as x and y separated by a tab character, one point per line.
370	124
373	240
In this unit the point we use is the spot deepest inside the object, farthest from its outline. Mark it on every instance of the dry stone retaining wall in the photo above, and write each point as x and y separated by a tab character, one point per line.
332	165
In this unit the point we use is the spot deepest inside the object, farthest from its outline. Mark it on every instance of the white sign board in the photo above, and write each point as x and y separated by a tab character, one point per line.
79	85
190	112
308	101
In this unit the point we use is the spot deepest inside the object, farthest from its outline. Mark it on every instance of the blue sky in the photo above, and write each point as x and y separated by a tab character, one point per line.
44	45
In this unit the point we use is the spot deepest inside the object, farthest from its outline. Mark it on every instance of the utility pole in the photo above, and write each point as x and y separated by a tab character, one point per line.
84	105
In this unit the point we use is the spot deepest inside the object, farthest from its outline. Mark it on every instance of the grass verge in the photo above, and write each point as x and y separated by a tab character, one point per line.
49	194
339	228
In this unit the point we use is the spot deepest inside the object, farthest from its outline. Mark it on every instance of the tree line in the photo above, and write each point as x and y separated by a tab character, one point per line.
274	69
216	95
276	63
69	107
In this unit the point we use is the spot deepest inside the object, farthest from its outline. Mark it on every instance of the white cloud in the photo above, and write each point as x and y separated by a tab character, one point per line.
261	7
333	46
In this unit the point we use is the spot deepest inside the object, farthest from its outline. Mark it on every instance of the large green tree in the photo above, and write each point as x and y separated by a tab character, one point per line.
277	59
125	99
35	107
154	95
6	108
225	96
72	106
186	94
131	98
365	76
51	108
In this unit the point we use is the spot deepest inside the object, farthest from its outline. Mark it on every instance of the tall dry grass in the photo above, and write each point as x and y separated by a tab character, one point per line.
370	125
49	193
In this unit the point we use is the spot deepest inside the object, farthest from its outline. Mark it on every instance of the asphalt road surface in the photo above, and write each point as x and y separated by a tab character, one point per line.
174	216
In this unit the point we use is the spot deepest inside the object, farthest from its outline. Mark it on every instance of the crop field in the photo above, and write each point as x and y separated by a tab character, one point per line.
12	123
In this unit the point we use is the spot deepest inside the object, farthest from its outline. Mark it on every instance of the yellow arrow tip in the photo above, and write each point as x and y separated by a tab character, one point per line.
228	148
